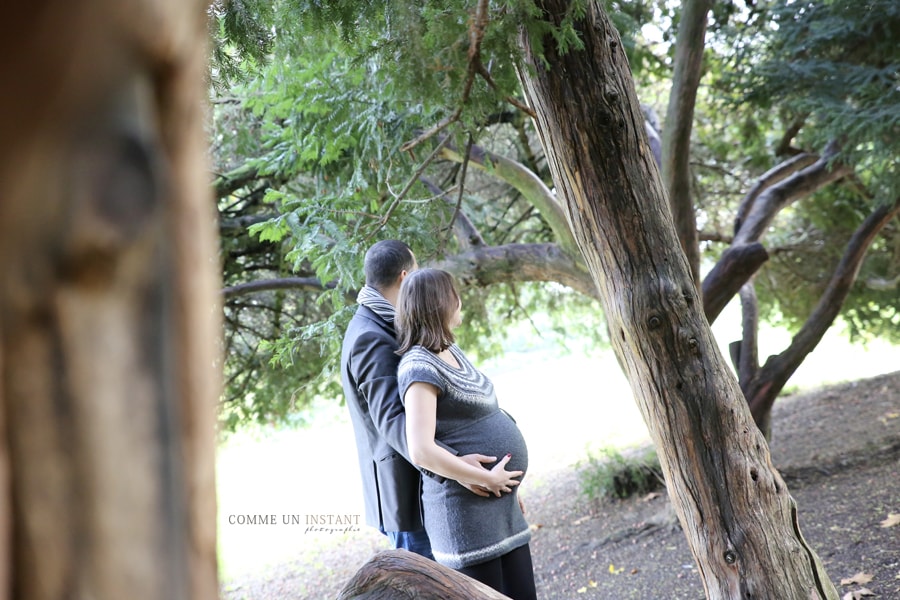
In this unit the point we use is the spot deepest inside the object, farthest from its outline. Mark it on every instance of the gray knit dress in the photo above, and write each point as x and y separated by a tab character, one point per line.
466	529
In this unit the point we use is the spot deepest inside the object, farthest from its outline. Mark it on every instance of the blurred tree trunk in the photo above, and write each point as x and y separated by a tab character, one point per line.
404	575
737	514
109	324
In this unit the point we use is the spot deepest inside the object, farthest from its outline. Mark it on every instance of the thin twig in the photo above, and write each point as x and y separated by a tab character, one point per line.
409	184
407	146
486	75
462	183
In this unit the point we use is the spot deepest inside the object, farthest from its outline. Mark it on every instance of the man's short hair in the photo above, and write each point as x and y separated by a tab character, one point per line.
384	262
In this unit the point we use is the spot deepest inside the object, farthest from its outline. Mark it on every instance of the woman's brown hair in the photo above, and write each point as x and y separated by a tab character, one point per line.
427	301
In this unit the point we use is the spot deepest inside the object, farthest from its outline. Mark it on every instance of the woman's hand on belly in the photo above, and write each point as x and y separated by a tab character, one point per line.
501	480
479	460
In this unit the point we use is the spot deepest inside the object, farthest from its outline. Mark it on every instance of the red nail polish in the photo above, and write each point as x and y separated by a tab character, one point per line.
509	456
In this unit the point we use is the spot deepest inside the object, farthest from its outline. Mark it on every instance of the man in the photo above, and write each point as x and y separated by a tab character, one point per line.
391	484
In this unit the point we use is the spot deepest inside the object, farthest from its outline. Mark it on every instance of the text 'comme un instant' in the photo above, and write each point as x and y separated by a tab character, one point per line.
325	523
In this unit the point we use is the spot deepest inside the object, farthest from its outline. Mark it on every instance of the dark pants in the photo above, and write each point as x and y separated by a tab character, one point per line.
511	574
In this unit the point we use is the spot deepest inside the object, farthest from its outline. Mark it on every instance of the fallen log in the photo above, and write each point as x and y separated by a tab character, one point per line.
400	574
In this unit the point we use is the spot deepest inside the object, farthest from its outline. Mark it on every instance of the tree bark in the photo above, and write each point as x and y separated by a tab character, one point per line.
739	519
109	323
400	575
747	364
782	185
800	184
771	177
734	269
676	135
519	262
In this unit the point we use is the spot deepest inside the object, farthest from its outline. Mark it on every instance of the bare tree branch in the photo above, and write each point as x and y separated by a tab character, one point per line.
776	174
748	364
730	273
244	221
798	185
517	263
457	208
466	233
785	148
412	181
480	266
309	284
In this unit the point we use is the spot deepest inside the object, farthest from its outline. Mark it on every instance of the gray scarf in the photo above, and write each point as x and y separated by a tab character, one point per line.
373	300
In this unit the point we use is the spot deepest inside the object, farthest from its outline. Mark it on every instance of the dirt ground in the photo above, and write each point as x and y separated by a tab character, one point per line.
838	449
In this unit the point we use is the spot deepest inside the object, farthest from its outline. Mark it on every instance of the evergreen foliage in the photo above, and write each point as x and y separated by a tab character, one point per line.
329	117
832	69
835	64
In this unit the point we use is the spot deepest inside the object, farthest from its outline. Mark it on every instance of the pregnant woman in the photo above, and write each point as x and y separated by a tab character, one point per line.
448	399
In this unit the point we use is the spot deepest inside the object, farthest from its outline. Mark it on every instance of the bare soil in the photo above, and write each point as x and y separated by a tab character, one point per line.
838	449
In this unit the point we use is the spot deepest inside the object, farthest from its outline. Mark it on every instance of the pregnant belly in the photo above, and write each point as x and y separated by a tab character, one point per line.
495	435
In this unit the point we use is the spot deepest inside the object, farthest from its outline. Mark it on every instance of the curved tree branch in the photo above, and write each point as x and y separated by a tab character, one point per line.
244	221
798	185
228	183
729	273
778	369
310	284
479	266
776	174
528	184
736	266
785	148
517	263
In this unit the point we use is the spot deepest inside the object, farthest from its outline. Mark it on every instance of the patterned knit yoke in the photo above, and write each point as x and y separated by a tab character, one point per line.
466	529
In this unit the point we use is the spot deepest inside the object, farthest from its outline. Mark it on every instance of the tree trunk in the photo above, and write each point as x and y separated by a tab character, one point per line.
400	575
737	514
676	137
109	324
765	385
